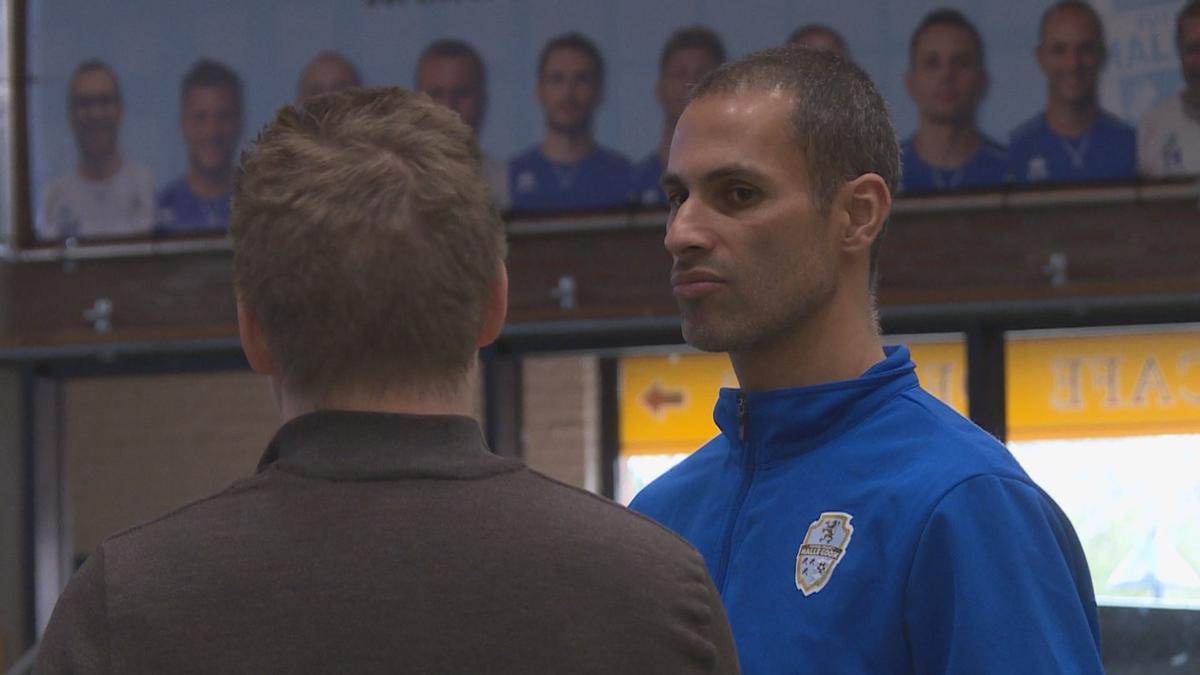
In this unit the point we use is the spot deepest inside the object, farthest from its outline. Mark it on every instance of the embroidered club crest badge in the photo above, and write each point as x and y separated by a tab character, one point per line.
823	548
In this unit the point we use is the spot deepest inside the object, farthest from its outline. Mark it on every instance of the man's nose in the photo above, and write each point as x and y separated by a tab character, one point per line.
686	232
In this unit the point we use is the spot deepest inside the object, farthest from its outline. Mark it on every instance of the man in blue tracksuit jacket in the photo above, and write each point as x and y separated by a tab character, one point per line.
852	522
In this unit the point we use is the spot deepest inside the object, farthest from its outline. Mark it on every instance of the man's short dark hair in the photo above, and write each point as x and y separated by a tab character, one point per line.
211	73
580	43
945	17
798	35
840	121
1070	4
692	37
88	66
1190	11
452	48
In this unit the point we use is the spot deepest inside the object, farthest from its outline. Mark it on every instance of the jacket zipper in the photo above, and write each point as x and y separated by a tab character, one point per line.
747	478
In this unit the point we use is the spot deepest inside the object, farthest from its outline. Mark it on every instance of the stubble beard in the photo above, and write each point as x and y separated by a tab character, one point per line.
573	129
733	331
97	144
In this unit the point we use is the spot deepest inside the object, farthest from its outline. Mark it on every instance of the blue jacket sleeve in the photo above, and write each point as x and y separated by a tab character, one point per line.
999	584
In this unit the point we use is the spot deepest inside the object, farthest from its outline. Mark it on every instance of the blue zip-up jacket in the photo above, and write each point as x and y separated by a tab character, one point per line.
865	527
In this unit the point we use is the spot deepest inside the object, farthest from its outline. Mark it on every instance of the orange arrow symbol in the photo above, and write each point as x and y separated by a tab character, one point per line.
656	398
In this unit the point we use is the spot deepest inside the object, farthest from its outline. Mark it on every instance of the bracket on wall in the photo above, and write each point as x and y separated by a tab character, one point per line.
100	315
1056	269
565	292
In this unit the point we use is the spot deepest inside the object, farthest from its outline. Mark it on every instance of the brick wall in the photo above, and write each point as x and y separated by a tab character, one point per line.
137	447
561	417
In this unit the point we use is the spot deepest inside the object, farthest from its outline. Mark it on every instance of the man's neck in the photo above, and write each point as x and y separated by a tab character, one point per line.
209	185
567	147
100	168
840	343
947	145
293	405
1072	119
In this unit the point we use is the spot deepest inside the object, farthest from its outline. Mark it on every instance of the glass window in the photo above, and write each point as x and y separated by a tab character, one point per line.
1108	422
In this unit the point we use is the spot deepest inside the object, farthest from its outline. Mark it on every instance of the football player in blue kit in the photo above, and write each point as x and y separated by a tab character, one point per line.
567	170
947	80
1073	139
688	54
210	120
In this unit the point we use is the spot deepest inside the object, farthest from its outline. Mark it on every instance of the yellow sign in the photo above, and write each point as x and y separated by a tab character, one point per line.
942	370
667	401
1100	386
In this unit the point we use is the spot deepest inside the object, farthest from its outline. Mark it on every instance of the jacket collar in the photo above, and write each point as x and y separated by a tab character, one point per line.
785	422
347	445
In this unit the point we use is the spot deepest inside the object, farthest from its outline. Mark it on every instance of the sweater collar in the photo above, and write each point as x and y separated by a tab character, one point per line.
348	445
783	422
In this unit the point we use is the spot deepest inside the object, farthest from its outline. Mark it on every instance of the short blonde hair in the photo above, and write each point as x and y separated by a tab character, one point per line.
366	244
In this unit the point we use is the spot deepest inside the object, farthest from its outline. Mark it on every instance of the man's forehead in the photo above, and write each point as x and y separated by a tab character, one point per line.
1070	20
759	106
959	33
569	57
691	54
730	133
94	79
210	95
449	66
330	66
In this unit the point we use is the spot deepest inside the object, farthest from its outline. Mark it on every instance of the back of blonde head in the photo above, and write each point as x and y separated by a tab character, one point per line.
366	243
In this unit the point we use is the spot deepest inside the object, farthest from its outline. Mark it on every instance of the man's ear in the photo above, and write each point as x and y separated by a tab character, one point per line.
496	311
254	341
866	203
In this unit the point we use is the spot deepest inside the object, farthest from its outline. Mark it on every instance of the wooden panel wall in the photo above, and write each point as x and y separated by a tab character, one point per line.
936	252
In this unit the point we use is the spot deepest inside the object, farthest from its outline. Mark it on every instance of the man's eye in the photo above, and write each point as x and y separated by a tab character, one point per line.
742	195
675	198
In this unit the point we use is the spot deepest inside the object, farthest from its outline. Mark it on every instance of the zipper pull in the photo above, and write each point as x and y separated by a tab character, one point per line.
741	417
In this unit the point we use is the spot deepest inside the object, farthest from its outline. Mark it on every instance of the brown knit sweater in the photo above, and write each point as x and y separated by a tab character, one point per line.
376	543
